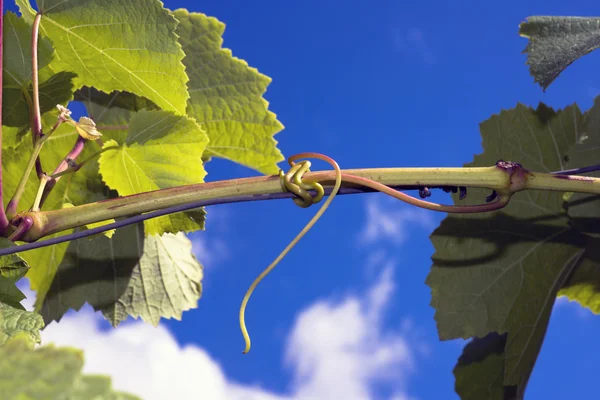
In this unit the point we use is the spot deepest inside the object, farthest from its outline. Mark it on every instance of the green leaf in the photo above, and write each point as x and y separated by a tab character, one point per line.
556	42
81	187
169	263
43	373
584	284
14	322
12	136
500	272
98	387
17	52
95	270
161	150
117	45
58	89
584	209
48	373
226	96
153	277
479	372
114	110
18	92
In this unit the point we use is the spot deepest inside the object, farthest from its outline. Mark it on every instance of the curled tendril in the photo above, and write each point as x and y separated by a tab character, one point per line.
292	181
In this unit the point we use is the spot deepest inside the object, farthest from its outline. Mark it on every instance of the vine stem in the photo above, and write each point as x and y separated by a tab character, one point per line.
50	181
13	204
504	178
3	218
11	208
36	122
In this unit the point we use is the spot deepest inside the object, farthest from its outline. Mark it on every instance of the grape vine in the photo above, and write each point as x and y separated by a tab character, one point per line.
163	97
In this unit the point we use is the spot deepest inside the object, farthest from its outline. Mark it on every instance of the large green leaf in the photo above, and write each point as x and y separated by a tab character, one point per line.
17	91
161	150
226	96
556	42
49	373
153	277
117	45
500	272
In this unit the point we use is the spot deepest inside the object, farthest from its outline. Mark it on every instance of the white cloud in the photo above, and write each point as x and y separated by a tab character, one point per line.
208	250
336	350
392	221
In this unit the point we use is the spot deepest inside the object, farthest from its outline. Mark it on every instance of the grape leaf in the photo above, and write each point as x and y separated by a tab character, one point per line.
226	96
556	42
98	387
12	268
49	373
151	277
169	257
12	136
479	372
81	187
17	51
584	209
584	284
17	90
57	89
95	270
161	150
14	320
501	272
43	373
117	45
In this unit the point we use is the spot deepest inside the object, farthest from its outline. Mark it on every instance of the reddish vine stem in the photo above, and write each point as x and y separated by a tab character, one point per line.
36	120
64	164
3	218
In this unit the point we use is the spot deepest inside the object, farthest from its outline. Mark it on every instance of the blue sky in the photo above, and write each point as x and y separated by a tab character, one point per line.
346	314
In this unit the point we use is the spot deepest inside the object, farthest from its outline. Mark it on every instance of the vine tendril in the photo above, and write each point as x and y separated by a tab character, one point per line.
304	200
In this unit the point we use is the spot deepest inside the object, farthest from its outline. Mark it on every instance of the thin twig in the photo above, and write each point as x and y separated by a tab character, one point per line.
3	218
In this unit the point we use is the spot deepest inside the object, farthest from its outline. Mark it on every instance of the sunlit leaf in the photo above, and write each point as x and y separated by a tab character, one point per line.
161	150
117	45
17	89
226	96
50	373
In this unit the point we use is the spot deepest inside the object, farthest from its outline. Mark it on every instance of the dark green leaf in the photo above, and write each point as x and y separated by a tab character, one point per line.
556	42
500	272
479	372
